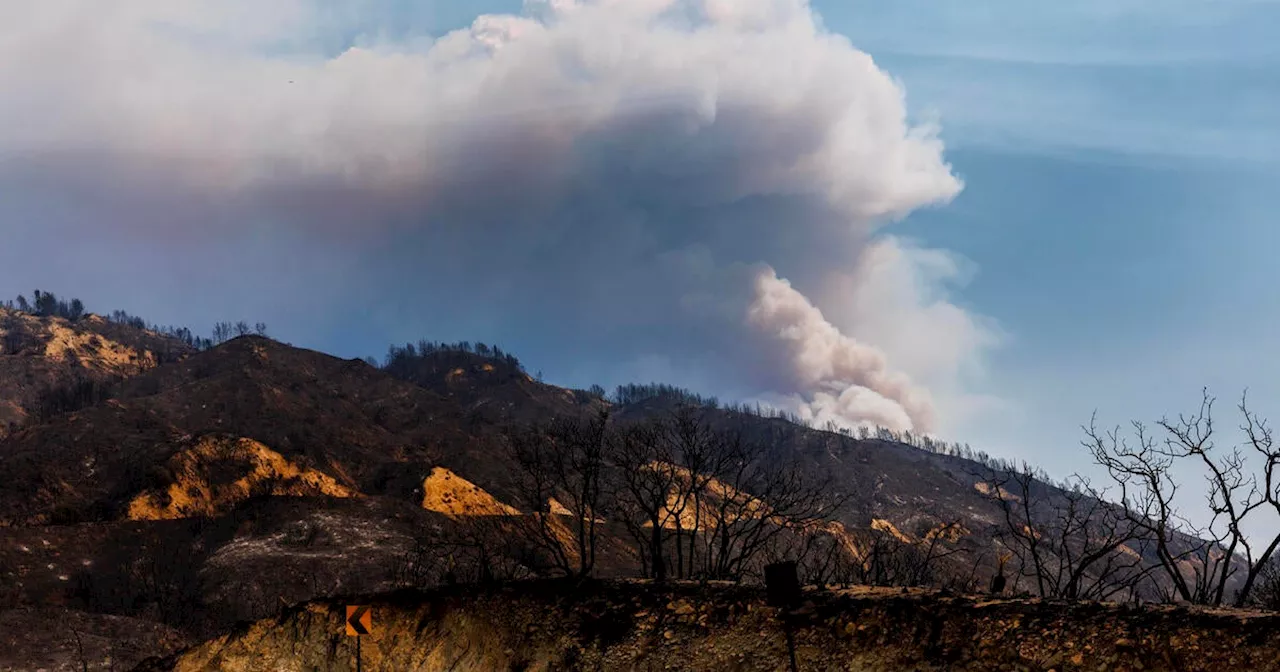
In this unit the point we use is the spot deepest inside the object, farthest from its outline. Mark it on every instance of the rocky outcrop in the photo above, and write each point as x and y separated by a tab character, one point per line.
217	473
446	492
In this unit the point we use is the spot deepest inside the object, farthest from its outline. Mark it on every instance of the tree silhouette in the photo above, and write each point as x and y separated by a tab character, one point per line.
1198	561
1071	543
564	461
222	332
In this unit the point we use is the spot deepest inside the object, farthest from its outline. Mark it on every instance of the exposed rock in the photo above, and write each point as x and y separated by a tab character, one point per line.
446	492
217	473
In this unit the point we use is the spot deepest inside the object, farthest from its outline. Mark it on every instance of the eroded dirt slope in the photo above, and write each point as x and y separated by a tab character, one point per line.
634	626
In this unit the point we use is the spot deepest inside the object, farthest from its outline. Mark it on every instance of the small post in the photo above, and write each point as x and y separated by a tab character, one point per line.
791	644
782	587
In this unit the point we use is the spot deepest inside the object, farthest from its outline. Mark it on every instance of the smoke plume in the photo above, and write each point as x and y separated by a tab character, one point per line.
619	188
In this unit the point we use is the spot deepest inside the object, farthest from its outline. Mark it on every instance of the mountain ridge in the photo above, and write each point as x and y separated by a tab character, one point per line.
283	474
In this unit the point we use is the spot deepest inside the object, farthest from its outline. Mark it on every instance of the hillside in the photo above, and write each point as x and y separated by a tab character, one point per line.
43	354
345	420
56	640
254	416
195	490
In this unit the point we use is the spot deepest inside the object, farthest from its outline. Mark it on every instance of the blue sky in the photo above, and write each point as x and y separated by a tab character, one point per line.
1116	224
1120	162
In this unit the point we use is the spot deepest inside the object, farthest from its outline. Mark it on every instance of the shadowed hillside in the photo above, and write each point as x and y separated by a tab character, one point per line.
363	429
210	486
50	363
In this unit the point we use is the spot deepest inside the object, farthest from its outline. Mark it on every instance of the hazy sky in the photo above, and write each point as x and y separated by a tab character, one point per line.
986	222
1120	160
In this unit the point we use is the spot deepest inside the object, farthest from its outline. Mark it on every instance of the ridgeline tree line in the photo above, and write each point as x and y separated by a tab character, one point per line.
431	357
81	391
47	304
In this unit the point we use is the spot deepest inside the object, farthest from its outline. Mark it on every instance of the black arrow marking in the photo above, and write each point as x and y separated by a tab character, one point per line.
354	621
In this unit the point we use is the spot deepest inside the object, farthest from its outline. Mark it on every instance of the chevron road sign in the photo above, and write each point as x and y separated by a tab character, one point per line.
359	620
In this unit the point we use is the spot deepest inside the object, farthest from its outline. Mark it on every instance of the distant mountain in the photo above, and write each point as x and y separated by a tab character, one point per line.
485	382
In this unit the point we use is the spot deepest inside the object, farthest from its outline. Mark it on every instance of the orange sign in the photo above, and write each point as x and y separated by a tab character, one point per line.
359	620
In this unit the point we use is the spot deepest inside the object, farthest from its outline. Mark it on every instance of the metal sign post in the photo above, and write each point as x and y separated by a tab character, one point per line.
782	588
359	622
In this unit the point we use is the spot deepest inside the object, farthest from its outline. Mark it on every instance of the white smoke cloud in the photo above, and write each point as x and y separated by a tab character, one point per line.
898	295
845	380
511	95
597	173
